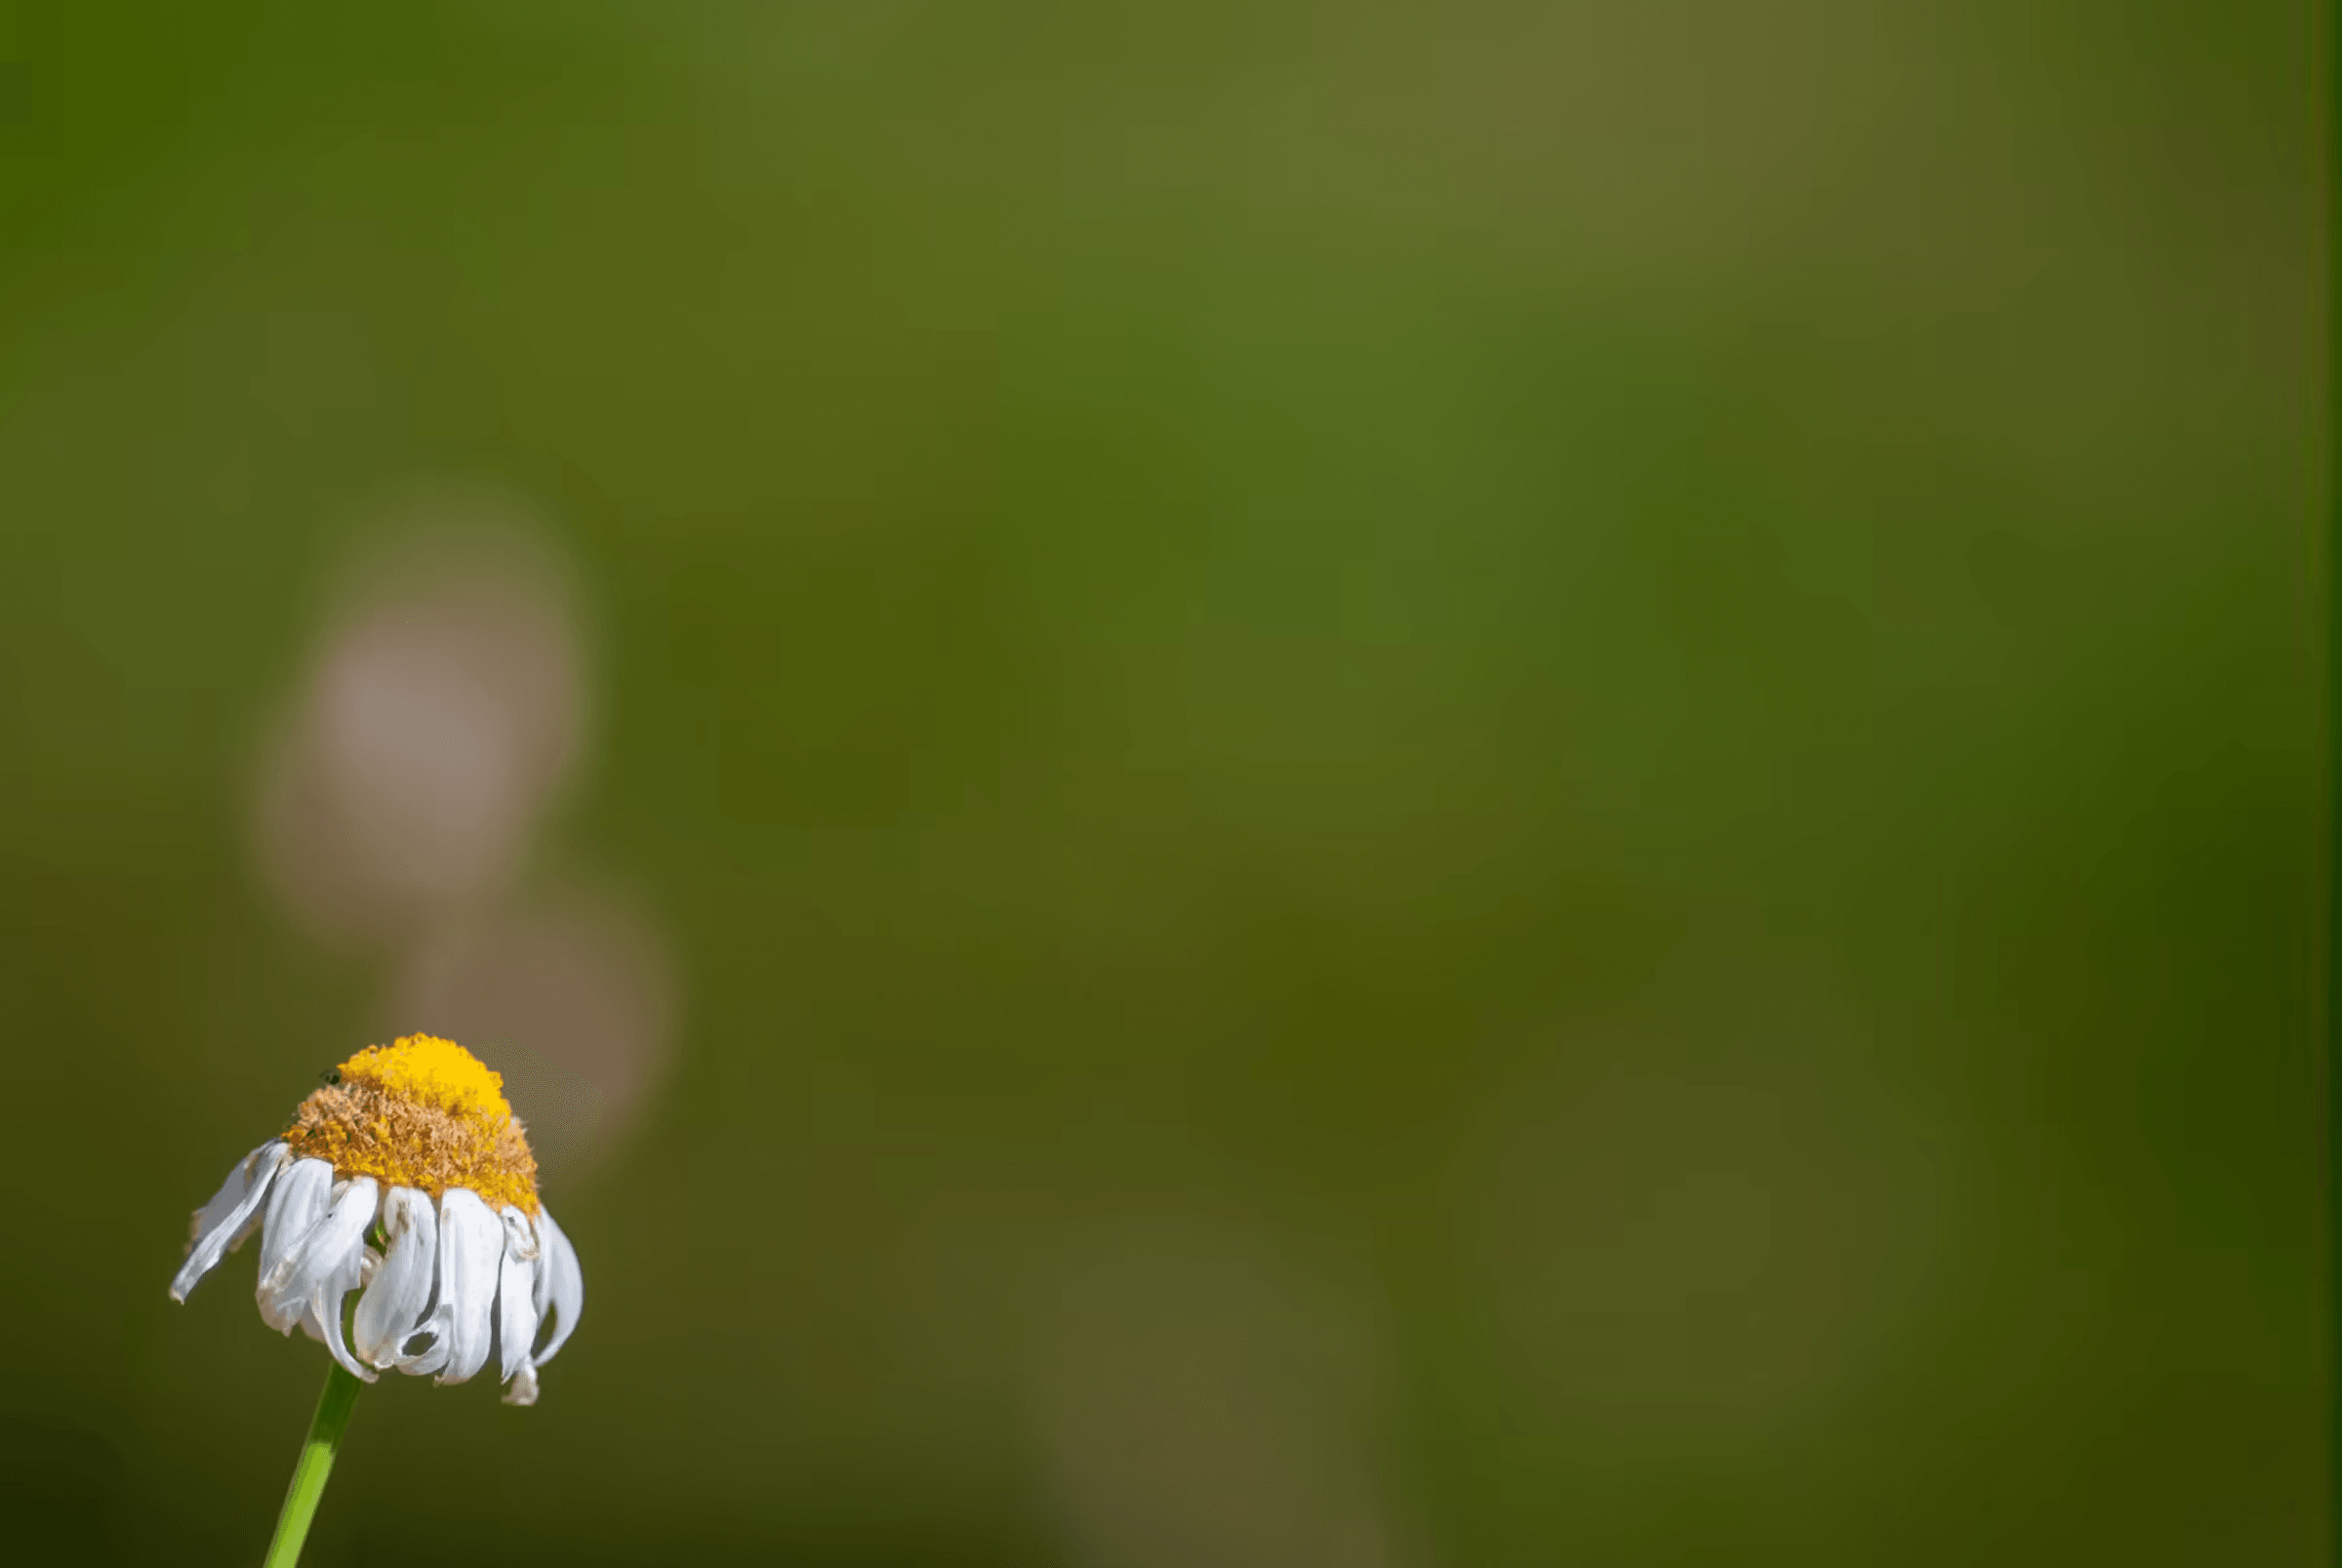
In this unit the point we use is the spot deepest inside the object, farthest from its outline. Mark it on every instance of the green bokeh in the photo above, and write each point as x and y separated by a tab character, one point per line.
1629	690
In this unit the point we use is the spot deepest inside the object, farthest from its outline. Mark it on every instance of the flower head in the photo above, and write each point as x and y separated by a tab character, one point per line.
406	1180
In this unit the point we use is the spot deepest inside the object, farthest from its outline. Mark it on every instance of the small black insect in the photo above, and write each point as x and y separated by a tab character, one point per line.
330	1076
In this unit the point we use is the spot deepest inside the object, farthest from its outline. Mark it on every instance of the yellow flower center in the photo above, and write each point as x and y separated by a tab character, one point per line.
421	1113
434	1072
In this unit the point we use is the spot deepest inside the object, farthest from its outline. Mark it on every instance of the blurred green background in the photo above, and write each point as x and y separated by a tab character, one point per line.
1409	787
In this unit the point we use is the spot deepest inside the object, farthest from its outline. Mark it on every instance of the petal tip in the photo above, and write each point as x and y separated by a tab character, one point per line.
523	1390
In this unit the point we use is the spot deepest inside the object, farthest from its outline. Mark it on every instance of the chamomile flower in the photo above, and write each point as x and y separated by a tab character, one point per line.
407	1181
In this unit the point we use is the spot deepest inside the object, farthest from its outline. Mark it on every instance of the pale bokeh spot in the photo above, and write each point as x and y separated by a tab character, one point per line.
571	997
405	788
444	707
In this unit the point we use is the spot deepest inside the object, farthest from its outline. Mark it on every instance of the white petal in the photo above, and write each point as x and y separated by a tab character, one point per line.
524	1389
424	1351
560	1283
472	1250
309	1285
221	1226
296	1204
400	1291
516	1304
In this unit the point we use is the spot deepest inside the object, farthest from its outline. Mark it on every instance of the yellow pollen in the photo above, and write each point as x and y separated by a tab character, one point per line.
435	1071
421	1113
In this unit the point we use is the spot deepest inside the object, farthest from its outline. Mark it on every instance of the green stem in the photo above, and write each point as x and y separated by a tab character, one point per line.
316	1463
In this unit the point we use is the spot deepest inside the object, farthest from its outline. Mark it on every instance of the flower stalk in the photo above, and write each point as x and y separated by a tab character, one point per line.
316	1463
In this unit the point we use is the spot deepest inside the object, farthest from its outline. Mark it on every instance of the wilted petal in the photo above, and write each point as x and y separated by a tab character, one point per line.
400	1291
297	1202
423	1350
325	1268
561	1284
471	1249
515	1300
221	1226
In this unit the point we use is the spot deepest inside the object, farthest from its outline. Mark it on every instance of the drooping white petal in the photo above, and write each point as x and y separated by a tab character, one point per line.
345	1280
516	1305
400	1291
297	1202
238	1194
561	1284
471	1248
309	1286
423	1350
221	1226
522	1389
